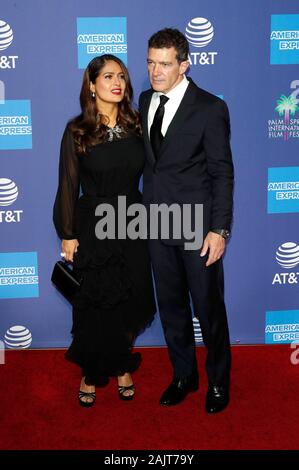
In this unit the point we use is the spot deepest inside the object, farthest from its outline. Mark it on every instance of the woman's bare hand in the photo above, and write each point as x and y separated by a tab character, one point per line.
69	247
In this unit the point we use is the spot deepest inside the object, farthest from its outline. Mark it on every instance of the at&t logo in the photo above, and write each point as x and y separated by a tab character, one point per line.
8	195
199	33
18	337
197	331
6	38
287	256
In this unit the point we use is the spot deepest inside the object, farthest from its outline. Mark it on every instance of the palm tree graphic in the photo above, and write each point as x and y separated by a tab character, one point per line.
286	105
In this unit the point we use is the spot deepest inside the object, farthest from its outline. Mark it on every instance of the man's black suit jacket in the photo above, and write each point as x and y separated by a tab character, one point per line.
194	164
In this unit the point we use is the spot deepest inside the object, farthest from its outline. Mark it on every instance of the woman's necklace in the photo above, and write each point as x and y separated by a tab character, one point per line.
114	132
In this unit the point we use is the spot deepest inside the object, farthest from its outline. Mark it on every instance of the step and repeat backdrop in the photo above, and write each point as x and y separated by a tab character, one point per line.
247	52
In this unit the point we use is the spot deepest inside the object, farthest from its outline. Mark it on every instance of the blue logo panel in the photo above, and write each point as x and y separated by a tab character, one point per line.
283	190
98	36
15	125
282	326
284	39
18	275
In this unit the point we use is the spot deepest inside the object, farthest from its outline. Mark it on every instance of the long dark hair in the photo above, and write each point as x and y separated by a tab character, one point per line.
89	127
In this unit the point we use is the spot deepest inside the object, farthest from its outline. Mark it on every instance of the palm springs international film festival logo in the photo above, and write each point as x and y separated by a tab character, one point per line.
287	125
6	39
8	195
287	257
284	39
98	36
199	33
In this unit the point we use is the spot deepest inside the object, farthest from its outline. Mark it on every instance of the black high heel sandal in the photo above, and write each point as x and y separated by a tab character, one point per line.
86	404
122	389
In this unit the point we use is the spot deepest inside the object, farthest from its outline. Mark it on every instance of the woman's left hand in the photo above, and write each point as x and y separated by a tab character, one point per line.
69	248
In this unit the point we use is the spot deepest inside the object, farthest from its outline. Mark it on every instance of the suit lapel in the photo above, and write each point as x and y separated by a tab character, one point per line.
180	115
147	142
182	112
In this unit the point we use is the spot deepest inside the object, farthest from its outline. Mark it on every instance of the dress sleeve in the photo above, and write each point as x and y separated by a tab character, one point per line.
68	189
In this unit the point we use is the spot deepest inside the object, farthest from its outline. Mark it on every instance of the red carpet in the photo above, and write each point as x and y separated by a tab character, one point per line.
39	410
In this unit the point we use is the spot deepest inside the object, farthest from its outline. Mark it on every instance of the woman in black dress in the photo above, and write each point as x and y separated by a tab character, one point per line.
101	158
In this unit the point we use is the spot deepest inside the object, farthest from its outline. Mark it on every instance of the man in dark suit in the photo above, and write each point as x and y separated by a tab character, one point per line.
186	133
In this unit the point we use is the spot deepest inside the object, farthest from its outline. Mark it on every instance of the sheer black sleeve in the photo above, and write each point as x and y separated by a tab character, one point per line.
68	188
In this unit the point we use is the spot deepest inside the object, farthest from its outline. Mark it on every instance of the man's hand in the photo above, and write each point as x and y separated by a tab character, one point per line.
215	244
69	247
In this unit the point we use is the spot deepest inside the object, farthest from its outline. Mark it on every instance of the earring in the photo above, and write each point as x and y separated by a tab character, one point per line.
93	95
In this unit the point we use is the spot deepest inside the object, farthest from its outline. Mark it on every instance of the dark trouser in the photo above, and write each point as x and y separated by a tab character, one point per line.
178	272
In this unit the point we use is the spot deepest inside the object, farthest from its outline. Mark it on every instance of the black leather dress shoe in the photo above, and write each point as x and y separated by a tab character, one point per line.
178	390
217	398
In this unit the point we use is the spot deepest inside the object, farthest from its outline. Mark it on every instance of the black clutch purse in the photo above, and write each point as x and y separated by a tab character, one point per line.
66	280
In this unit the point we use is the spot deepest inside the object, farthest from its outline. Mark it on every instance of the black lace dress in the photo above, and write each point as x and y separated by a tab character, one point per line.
116	301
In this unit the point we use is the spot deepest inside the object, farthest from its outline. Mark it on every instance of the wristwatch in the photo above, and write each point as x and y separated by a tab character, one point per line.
221	231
